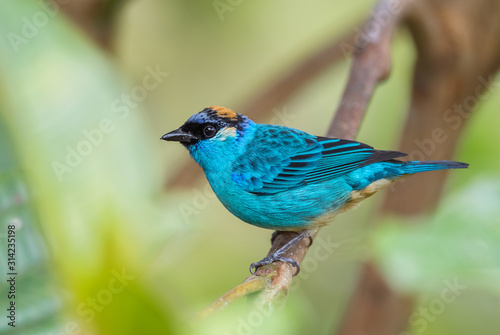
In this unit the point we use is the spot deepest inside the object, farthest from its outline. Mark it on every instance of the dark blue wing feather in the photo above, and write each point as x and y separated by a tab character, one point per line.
286	158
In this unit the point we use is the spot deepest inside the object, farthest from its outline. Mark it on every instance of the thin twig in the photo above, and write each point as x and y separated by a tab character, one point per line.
251	285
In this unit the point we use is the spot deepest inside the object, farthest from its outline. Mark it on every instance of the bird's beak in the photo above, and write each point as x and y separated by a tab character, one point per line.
179	135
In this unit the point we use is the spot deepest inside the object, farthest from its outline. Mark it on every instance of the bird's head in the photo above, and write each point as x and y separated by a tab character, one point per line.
209	133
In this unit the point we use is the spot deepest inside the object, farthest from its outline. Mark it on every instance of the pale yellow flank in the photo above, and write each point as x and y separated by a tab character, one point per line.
225	113
356	198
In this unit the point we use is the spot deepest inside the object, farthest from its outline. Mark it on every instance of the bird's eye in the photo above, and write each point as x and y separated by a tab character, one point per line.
209	131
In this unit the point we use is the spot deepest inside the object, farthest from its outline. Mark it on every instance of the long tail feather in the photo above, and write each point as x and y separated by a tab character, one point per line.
422	166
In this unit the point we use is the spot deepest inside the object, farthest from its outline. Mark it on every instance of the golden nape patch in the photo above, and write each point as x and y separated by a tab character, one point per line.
225	113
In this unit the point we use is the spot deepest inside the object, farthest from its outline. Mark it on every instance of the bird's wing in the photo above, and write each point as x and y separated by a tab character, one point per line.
294	159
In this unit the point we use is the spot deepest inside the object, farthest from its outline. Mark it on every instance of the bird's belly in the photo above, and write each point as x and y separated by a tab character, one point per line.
294	209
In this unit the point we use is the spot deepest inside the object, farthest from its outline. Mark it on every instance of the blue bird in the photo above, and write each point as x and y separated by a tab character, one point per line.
285	179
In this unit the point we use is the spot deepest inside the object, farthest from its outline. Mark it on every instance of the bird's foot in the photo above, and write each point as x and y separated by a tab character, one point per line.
278	255
274	258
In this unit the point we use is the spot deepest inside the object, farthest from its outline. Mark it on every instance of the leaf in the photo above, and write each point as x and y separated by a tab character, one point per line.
461	241
37	302
84	149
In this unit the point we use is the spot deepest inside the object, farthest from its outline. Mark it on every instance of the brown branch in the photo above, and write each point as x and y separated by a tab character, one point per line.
371	65
457	42
272	283
252	285
293	80
451	61
448	72
363	78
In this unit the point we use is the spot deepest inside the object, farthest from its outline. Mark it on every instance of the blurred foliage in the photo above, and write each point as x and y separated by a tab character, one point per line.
39	301
58	92
461	239
112	254
454	258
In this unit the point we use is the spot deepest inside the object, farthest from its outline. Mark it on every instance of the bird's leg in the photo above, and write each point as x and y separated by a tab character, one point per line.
278	255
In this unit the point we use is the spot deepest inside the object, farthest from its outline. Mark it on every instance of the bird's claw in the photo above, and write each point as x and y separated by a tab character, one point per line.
274	258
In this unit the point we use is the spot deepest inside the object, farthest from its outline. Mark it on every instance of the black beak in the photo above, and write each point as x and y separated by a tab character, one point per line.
179	135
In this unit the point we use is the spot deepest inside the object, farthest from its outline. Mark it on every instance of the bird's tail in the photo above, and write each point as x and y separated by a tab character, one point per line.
423	166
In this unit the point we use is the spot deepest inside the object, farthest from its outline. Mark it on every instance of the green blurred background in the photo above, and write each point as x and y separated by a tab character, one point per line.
104	248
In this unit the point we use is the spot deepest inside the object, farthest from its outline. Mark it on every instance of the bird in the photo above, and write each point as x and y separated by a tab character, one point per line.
285	179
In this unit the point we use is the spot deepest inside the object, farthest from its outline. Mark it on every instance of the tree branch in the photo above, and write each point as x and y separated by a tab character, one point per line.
453	68
457	43
370	66
249	286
